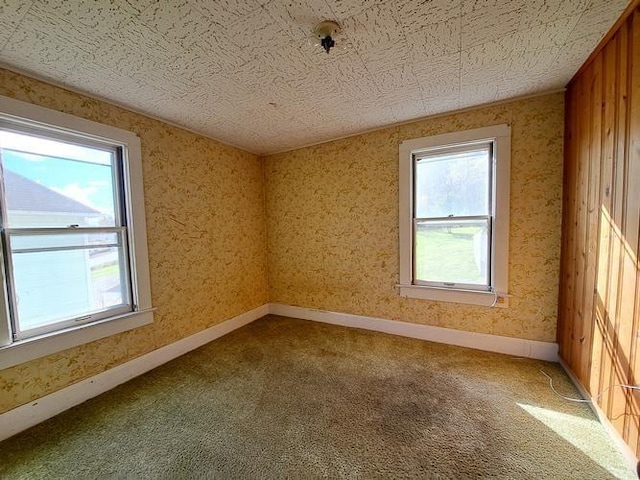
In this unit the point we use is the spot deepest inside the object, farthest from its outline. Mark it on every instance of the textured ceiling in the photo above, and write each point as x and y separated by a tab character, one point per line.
241	71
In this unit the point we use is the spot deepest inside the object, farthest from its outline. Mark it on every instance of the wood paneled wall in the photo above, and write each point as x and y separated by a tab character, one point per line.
599	311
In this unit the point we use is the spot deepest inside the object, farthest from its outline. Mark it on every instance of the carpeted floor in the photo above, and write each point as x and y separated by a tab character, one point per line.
286	398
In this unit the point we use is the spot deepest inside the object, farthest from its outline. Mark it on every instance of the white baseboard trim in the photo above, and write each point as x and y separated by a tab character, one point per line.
32	413
480	341
627	453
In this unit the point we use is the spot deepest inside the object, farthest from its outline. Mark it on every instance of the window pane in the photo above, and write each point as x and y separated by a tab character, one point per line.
50	183
455	183
57	285
452	251
65	240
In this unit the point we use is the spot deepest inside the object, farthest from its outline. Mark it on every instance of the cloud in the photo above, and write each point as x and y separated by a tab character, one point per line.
36	149
79	194
99	183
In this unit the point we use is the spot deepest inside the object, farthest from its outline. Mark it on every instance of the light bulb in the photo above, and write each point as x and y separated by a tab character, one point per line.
314	41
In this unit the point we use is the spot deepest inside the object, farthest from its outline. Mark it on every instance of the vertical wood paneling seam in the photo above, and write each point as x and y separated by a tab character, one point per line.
598	230
572	261
575	210
582	218
605	400
616	200
619	193
593	198
633	21
636	313
571	230
625	196
564	328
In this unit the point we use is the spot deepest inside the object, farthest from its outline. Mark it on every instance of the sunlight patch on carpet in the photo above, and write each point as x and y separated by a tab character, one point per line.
583	427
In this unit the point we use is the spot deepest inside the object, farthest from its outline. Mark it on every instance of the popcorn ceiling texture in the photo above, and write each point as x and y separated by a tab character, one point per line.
206	235
332	223
241	70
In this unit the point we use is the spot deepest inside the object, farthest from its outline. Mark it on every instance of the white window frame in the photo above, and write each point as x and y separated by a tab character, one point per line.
14	352
497	295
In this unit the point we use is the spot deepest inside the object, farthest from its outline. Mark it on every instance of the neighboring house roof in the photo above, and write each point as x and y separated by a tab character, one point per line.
26	195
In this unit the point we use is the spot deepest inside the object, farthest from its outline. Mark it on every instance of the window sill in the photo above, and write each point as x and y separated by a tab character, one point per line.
469	297
24	350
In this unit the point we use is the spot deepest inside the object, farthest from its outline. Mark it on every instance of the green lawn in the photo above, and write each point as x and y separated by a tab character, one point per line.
447	256
105	270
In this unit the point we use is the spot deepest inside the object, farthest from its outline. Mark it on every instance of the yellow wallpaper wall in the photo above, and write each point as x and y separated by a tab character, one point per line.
331	236
206	240
332	223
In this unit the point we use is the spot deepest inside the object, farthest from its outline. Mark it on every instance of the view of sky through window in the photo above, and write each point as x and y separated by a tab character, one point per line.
454	184
53	184
81	173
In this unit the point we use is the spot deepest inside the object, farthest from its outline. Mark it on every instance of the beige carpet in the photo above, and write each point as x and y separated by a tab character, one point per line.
286	398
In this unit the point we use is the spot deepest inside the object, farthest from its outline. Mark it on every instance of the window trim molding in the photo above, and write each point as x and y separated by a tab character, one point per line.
501	135
14	353
36	347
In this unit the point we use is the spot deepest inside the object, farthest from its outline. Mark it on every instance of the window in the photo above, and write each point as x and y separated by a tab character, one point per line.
74	258
454	216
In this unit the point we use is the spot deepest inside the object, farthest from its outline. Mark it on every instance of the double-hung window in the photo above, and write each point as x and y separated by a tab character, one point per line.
74	259
454	216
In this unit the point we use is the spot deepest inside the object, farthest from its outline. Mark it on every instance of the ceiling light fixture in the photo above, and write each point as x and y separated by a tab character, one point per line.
323	35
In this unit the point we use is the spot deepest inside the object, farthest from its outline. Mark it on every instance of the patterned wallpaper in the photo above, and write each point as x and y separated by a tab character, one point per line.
206	234
332	223
332	231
